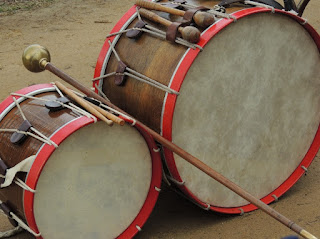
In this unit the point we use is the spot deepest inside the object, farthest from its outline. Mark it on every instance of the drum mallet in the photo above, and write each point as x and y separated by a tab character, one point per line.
36	58
190	34
202	19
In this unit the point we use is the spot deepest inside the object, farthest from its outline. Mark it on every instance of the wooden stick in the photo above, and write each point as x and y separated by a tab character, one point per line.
188	157
191	34
83	103
202	19
302	7
107	114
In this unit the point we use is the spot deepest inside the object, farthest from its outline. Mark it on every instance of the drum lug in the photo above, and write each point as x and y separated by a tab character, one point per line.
120	77
55	106
135	33
18	138
3	170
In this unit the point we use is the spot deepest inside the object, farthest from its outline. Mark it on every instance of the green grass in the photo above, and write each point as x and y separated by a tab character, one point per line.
8	7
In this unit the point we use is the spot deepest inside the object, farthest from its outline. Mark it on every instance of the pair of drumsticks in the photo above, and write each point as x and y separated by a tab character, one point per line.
100	113
189	33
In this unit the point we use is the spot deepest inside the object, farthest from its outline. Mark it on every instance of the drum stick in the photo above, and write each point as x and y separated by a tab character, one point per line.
302	7
36	53
83	103
108	115
202	19
190	34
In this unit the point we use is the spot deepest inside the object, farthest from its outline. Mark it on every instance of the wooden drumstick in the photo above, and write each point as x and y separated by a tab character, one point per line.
83	103
37	58
190	34
202	19
107	114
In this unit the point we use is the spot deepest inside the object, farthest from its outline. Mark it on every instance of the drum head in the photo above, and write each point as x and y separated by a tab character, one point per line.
94	184
249	107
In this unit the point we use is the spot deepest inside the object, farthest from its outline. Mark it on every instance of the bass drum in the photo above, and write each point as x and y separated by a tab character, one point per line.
90	180
247	105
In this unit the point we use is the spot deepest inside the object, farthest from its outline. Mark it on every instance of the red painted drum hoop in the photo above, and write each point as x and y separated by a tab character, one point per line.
58	137
177	81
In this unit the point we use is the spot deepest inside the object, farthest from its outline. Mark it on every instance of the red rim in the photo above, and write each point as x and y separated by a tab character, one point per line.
45	152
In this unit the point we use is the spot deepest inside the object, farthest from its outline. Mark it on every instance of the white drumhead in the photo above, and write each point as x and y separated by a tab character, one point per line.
94	184
249	107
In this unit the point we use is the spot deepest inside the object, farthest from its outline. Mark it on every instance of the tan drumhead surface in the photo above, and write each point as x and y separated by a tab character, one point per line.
249	107
94	184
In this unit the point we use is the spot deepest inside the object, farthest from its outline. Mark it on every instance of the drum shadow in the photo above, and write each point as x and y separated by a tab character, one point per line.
175	216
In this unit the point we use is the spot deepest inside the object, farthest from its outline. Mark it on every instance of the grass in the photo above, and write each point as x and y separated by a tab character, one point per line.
8	7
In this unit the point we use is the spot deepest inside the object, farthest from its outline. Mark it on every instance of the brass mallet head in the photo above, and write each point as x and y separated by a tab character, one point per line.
35	58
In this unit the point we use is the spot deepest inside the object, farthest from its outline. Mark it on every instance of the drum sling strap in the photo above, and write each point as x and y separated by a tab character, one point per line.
272	3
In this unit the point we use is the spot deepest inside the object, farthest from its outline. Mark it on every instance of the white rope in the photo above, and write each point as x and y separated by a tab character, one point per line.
13	232
23	225
138	76
101	92
72	107
114	50
80	111
50	142
19	108
104	76
138	14
57	89
25	133
21	184
259	5
152	83
44	137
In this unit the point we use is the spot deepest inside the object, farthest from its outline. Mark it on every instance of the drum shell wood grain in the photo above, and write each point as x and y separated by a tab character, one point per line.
154	58
41	119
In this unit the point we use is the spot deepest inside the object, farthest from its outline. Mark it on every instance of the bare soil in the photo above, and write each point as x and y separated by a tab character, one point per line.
69	29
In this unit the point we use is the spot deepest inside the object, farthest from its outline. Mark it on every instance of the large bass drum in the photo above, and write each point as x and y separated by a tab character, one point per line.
90	180
247	105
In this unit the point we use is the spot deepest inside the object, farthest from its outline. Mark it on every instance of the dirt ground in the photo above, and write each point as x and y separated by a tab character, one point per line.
69	29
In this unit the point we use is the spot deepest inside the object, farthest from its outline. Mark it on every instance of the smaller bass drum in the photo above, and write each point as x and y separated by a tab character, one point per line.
90	180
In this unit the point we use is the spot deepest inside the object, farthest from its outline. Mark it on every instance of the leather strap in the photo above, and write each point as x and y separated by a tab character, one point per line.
271	3
55	106
134	34
119	78
18	138
188	16
172	31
